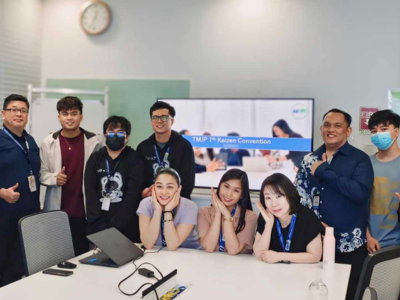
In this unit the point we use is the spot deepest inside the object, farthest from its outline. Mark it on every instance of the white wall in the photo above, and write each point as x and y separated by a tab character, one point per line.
343	53
20	46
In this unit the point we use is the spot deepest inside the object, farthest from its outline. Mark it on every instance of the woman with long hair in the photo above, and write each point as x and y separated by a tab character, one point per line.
229	224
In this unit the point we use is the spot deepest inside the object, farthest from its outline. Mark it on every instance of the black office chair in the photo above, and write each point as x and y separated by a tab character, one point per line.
45	240
380	276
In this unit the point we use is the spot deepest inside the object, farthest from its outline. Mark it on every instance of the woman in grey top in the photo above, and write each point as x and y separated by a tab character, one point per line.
167	219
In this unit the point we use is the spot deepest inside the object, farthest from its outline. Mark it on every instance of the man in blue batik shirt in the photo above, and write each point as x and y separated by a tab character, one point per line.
336	181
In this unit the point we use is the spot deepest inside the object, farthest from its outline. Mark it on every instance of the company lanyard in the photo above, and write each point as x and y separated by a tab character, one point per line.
164	243
108	185
286	247
221	241
162	164
23	150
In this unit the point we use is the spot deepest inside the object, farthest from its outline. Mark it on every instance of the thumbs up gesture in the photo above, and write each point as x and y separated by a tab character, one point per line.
61	177
318	163
10	195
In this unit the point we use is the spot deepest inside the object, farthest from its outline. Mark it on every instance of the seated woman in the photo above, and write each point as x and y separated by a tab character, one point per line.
287	231
229	225
167	219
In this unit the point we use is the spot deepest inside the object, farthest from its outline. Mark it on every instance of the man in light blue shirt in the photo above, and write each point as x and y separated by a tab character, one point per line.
383	222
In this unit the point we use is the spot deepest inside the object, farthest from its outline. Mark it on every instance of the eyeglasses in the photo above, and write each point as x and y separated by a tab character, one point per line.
22	111
120	134
164	118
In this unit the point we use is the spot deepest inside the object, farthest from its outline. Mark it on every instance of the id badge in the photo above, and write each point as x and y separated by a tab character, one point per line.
32	183
106	203
316	202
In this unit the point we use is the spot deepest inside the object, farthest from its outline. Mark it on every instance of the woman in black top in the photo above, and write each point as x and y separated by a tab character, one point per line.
287	231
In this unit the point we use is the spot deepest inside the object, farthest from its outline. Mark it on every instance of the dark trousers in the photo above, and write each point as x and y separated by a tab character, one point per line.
11	262
356	260
78	232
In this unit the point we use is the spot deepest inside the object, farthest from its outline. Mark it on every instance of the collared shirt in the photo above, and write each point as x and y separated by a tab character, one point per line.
14	168
344	184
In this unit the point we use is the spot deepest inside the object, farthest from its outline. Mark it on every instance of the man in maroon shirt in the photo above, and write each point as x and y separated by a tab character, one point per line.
63	159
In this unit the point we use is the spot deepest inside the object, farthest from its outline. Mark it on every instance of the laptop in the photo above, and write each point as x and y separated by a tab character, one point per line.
116	249
255	164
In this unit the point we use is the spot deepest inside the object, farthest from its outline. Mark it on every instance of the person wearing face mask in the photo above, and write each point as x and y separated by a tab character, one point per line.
167	219
287	231
336	181
63	155
113	182
230	223
383	222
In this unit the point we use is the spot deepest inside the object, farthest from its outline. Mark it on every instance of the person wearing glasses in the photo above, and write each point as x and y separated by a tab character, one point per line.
64	154
19	184
113	182
166	148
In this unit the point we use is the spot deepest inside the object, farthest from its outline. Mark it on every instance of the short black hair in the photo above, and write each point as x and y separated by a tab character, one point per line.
245	201
281	185
347	117
15	97
68	103
115	122
171	172
161	105
385	117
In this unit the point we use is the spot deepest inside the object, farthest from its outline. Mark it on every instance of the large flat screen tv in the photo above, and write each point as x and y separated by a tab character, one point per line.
259	136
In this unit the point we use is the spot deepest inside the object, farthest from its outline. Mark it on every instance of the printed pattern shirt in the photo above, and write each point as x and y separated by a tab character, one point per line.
344	185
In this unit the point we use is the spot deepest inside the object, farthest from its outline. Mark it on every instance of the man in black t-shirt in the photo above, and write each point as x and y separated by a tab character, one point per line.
166	148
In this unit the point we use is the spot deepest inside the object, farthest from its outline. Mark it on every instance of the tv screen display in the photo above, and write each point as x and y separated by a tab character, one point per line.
259	136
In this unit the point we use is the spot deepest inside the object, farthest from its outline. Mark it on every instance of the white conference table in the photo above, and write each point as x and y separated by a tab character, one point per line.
212	276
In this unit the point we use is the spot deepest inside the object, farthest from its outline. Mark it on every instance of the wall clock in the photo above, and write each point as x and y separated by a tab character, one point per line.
95	17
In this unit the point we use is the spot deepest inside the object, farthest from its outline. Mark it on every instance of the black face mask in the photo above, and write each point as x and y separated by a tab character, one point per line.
115	143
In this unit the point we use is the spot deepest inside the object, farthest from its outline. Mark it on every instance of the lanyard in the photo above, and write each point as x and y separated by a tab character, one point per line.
286	247
162	164
108	185
20	147
164	243
221	241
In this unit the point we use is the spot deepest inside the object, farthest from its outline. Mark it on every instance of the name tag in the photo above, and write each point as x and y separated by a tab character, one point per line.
106	203
32	183
316	202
